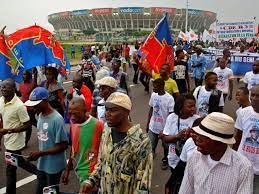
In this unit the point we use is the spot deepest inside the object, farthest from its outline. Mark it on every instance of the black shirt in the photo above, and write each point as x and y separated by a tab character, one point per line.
180	72
117	136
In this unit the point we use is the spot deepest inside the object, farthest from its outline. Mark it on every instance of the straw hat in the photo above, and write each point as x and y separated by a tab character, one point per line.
217	126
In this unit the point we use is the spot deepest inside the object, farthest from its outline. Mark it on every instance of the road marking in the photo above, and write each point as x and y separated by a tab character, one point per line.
21	183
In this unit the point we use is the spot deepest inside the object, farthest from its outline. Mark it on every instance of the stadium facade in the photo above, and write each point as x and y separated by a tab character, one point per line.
109	21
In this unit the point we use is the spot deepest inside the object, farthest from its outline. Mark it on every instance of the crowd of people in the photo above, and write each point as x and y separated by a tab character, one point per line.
206	150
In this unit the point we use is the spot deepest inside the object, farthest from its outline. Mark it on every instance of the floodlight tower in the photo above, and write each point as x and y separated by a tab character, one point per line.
186	15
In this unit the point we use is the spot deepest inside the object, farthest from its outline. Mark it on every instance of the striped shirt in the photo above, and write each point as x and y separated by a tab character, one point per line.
233	174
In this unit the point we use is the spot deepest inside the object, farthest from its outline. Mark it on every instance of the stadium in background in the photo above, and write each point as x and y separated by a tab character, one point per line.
107	23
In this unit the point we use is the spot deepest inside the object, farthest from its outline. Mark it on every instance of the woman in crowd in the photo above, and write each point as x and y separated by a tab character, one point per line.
56	91
176	131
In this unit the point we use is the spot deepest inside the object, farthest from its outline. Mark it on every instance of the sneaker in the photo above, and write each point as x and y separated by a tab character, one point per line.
164	165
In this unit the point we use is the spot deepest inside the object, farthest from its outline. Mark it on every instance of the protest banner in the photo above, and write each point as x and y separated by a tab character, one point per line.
240	62
235	30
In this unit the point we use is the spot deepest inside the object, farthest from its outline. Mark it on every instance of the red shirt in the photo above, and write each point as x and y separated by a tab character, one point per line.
87	95
25	89
126	51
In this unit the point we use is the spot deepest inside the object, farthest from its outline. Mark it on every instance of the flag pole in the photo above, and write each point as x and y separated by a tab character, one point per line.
2	31
186	16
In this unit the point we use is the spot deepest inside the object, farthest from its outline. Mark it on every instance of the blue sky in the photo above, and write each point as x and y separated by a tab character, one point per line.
22	13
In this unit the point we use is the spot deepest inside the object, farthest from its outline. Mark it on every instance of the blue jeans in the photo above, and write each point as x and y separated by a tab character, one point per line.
154	141
11	177
45	179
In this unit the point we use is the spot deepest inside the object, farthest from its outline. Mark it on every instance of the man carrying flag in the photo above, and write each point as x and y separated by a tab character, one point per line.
158	47
158	52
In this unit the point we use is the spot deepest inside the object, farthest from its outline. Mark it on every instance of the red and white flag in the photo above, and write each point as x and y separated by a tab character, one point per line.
182	35
193	36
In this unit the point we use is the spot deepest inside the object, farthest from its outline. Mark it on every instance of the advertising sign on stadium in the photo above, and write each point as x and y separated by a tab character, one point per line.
161	10
80	12
236	30
53	16
131	10
194	12
209	14
64	14
101	11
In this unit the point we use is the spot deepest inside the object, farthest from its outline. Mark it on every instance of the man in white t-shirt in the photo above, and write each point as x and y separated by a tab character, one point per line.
225	78
161	105
251	78
208	98
247	137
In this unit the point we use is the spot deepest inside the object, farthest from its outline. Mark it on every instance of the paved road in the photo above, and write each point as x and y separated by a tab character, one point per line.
139	115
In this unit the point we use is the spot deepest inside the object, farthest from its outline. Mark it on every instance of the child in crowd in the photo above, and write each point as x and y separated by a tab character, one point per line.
161	105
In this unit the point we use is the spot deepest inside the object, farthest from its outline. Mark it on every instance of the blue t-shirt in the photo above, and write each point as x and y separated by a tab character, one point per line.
51	131
198	71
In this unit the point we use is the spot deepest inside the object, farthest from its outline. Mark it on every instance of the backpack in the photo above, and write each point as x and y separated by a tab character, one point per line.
213	100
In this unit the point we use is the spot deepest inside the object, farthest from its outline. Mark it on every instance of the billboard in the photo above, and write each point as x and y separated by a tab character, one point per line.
55	15
64	14
235	30
131	10
80	12
194	12
209	14
101	11
161	10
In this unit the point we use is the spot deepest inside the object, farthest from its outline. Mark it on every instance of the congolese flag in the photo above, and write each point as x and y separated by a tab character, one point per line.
157	49
36	46
5	64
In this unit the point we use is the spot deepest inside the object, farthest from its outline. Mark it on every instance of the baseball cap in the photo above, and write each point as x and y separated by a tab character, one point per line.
118	99
36	96
107	81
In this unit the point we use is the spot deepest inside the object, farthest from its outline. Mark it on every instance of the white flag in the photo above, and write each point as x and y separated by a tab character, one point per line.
193	36
182	35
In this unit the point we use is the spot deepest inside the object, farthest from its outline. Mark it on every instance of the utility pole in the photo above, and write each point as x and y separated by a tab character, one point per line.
186	15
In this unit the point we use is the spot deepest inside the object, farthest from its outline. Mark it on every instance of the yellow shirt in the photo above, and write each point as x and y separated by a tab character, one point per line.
170	85
14	114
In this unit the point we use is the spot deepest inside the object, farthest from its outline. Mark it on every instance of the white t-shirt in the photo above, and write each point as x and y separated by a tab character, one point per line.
238	111
224	75
251	79
202	103
101	112
171	128
188	149
162	106
248	122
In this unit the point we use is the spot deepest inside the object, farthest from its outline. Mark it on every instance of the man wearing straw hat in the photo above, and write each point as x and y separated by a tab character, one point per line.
215	167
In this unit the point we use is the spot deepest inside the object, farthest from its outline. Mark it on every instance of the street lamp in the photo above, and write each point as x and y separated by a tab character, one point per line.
186	16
